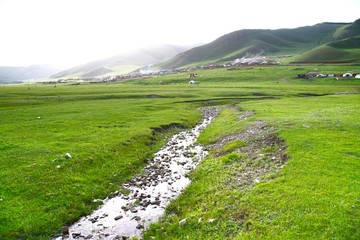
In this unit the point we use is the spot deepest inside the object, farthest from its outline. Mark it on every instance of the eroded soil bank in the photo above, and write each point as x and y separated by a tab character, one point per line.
146	195
264	153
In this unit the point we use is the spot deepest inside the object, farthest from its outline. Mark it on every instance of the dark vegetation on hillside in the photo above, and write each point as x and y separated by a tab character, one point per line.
347	43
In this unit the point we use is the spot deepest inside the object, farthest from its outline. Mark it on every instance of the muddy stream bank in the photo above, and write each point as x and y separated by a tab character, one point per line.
163	179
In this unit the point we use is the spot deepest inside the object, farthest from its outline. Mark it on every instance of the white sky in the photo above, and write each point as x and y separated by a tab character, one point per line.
72	32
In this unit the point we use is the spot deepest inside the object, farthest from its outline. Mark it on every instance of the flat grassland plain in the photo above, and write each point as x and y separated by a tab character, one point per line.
112	130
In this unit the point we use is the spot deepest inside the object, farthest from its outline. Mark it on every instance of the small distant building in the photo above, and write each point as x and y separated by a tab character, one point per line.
320	75
347	75
193	82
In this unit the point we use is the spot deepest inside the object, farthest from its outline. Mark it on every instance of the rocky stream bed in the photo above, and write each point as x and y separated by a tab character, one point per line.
163	179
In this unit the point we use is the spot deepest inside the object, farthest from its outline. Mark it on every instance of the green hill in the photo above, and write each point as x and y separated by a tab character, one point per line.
347	50
116	64
268	42
348	43
348	30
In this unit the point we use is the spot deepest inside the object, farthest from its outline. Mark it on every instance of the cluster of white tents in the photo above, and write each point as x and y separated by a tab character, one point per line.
351	75
345	75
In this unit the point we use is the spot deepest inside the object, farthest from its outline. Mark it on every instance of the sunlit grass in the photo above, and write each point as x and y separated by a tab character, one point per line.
316	196
109	131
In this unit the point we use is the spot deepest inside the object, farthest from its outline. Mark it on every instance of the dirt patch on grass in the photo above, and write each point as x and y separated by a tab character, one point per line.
258	94
154	96
258	159
355	91
228	98
245	115
311	95
283	80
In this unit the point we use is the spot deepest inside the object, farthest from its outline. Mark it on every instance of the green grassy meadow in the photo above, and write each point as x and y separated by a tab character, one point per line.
112	130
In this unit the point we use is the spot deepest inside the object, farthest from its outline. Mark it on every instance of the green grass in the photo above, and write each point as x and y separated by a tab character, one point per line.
109	140
316	195
321	182
112	130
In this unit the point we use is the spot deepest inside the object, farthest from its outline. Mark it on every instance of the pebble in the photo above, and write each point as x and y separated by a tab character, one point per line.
133	210
65	231
76	234
182	222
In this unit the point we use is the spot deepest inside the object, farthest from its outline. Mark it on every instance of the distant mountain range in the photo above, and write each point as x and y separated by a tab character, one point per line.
125	62
324	42
17	74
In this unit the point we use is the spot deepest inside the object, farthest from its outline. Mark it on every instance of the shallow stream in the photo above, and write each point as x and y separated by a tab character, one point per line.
164	178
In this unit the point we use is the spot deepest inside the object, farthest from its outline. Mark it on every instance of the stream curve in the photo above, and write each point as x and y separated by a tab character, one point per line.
164	178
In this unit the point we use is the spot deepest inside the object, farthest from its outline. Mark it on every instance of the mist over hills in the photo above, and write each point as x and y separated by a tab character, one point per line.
124	62
318	43
15	74
323	42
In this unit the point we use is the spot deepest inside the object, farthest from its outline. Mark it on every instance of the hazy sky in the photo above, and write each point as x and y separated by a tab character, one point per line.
71	32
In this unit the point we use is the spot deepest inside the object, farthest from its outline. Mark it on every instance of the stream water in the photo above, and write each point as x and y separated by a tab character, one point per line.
164	178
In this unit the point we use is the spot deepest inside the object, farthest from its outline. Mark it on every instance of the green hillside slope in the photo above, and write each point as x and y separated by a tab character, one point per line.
266	42
347	50
348	31
137	58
